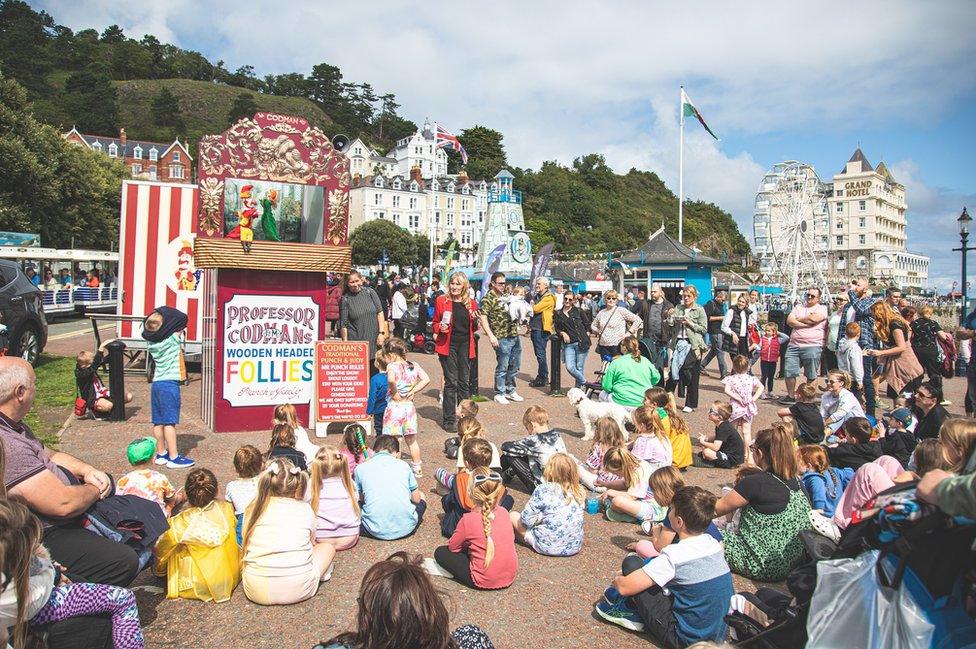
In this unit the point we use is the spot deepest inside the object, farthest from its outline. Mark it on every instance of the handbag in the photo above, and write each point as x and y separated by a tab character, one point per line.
81	407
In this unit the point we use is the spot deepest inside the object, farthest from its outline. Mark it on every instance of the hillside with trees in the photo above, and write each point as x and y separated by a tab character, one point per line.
101	82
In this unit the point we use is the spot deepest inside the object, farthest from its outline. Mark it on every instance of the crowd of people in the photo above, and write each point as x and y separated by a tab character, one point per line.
67	559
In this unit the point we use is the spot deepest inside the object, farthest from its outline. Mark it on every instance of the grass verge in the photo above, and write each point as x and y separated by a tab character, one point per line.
55	396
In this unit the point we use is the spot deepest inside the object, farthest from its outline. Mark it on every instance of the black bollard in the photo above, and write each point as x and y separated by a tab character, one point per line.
116	379
473	376
556	365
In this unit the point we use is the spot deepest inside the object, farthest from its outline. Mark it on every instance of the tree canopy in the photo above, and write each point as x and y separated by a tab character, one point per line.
370	240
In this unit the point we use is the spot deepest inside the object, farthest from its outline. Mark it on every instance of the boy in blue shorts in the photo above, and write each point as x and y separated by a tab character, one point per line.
161	329
694	571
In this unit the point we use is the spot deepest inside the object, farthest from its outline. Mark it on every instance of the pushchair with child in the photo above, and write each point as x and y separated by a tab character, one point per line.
420	338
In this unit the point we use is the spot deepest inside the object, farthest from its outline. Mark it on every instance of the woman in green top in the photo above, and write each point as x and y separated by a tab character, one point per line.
775	509
268	223
628	376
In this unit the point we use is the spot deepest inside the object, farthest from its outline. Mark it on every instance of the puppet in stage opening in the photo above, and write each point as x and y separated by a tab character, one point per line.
245	217
186	275
268	223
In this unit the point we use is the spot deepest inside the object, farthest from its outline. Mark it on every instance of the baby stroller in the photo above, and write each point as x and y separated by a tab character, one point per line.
420	339
897	579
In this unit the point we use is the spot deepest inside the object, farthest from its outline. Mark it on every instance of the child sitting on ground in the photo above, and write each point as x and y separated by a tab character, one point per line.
858	449
805	413
146	483
33	588
199	553
628	499
280	563
392	505
240	493
379	387
725	451
470	428
287	414
282	444
334	499
354	447
89	384
467	408
694	571
897	441
456	502
674	425
452	445
743	390
927	456
552	521
162	330
406	379
823	483
664	483
481	552
651	444
607	435
526	457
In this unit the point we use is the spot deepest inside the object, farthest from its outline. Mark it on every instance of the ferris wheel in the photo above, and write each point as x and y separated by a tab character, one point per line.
791	228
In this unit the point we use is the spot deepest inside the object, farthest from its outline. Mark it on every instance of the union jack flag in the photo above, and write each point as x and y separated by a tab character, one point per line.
447	140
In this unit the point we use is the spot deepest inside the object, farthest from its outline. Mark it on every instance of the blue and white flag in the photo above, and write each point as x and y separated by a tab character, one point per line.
492	262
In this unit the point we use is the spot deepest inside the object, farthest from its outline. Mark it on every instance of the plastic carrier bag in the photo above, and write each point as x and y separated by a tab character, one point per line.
852	608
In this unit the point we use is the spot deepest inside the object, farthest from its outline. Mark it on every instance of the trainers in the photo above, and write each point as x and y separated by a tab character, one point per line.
611	595
417	468
180	462
646	526
500	398
787	401
327	575
946	402
433	568
514	396
162	459
538	383
621	614
687	409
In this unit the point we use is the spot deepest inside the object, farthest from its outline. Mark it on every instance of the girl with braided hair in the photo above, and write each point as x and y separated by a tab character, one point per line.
481	553
199	553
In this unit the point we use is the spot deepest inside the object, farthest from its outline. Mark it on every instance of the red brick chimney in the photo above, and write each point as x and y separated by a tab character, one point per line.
415	173
123	138
463	177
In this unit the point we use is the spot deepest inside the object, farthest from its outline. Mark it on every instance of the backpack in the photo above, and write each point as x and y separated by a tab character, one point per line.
947	356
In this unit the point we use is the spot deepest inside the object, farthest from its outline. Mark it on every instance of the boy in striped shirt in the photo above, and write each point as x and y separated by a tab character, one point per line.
161	329
679	597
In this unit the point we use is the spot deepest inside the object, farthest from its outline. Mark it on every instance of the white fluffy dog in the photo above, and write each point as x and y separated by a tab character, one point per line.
589	411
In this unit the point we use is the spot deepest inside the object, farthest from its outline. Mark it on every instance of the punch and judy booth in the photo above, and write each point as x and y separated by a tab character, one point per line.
273	220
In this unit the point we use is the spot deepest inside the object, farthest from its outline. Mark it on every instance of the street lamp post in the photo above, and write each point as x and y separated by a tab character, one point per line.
963	220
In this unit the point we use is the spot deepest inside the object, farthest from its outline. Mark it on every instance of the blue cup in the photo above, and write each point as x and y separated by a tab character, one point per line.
593	505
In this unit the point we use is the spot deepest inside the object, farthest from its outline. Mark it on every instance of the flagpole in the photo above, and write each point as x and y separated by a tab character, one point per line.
681	166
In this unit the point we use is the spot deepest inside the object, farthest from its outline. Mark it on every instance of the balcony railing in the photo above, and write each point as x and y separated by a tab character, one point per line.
511	196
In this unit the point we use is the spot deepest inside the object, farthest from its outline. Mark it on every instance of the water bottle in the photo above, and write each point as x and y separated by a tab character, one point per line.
592	503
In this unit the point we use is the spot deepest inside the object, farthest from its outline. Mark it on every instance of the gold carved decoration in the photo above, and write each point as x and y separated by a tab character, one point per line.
211	192
338	208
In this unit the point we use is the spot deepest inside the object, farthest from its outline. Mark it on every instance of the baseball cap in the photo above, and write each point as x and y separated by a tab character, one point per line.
141	450
903	415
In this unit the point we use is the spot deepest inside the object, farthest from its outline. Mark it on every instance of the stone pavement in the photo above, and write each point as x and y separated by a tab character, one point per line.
549	605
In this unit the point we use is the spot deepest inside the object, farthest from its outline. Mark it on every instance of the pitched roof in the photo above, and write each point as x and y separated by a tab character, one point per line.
859	157
663	248
882	170
130	145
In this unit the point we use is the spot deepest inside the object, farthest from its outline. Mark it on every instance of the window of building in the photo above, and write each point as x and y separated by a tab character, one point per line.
437	218
465	190
840	207
435	186
113	150
377	198
450	187
450	202
176	156
152	172
450	219
396	218
465	238
153	154
413	186
839	192
378	182
840	225
136	169
97	146
861	262
862	222
396	201
862	239
175	171
381	215
137	152
414	220
397	184
413	203
862	205
465	204
840	240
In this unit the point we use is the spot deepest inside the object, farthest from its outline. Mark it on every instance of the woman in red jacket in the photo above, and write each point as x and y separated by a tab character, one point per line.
455	320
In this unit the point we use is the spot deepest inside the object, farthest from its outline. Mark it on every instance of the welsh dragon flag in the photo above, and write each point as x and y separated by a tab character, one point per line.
688	110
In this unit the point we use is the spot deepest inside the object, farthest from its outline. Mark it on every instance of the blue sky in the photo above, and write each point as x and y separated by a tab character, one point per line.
565	78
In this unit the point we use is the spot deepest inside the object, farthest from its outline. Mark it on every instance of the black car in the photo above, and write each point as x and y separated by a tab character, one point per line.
21	313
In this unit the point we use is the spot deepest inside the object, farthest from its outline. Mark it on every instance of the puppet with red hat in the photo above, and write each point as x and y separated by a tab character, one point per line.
245	217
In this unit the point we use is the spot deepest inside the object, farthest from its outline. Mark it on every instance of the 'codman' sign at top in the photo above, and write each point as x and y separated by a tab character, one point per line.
858	188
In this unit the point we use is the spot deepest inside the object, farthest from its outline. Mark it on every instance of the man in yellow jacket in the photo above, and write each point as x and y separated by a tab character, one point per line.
540	328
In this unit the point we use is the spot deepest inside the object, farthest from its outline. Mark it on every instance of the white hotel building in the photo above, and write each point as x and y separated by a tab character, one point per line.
411	188
867	227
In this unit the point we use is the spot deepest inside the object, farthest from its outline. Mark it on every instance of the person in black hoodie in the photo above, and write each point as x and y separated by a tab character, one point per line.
929	411
897	441
283	445
858	449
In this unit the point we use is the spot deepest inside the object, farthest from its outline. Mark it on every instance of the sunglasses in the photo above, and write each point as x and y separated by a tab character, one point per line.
810	295
924	396
482	477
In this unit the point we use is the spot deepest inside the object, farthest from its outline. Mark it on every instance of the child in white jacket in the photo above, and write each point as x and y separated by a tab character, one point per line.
849	355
